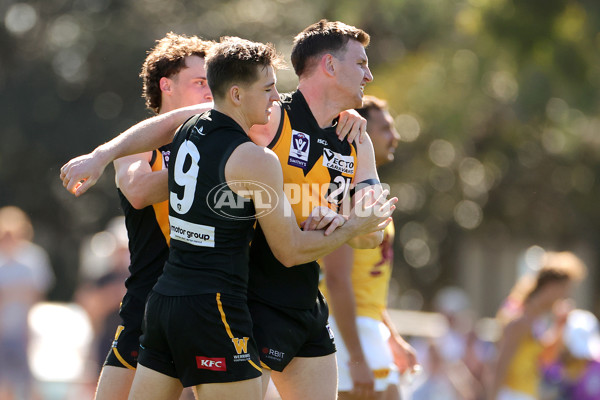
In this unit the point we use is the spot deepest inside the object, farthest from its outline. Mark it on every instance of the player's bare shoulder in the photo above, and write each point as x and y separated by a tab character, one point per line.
365	143
252	162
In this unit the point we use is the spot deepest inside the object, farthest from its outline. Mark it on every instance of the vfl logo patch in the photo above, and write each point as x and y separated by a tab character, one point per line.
213	364
166	157
299	149
338	162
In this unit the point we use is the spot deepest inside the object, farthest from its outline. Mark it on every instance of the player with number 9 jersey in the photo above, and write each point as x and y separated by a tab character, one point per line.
207	266
202	240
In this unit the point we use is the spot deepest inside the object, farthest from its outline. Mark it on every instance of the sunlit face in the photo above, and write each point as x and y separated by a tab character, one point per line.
384	135
352	73
188	86
258	97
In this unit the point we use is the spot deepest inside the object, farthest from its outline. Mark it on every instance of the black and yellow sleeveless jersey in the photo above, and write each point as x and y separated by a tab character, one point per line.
148	233
318	169
210	225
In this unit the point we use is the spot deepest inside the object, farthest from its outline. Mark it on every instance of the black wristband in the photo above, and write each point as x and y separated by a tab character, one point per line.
363	184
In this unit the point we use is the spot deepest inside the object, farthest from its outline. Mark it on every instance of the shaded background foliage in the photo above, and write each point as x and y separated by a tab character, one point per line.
496	102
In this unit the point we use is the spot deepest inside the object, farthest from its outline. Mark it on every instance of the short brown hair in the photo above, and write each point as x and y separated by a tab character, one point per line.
323	37
166	59
371	103
236	61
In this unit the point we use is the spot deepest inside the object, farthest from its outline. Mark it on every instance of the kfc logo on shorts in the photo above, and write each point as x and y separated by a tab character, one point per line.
213	364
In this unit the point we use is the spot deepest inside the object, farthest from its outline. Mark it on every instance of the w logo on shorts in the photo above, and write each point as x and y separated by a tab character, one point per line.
241	345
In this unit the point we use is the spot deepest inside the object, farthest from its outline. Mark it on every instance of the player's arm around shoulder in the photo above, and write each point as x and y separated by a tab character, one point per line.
366	171
81	173
366	160
138	182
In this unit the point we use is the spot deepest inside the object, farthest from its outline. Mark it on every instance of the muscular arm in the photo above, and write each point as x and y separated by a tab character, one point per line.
337	267
291	245
140	185
142	137
365	170
404	354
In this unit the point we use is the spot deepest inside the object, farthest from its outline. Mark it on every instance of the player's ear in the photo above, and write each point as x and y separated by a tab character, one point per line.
165	84
328	64
235	94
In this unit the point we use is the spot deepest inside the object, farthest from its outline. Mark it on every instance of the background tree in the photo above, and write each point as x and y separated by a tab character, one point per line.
496	101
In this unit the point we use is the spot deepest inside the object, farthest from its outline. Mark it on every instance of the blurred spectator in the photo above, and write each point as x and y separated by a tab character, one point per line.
454	358
575	373
58	356
435	382
67	362
517	371
454	304
100	300
25	276
106	259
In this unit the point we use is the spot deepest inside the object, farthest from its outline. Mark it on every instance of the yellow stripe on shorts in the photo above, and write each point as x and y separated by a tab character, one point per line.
227	328
117	354
121	359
